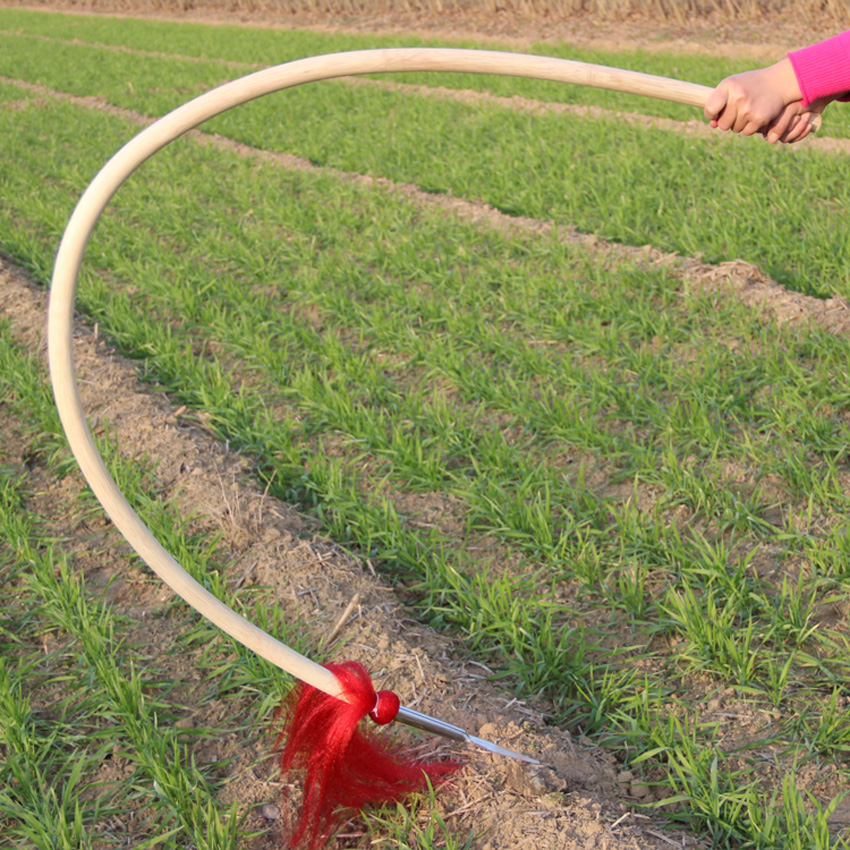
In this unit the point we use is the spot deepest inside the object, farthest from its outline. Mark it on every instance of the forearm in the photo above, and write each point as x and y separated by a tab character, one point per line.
823	69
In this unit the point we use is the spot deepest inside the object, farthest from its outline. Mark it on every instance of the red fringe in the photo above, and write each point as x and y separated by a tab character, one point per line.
346	768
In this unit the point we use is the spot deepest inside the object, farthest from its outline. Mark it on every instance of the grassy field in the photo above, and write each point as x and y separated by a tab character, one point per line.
645	484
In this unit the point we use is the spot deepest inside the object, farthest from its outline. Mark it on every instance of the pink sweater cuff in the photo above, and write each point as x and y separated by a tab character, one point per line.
823	70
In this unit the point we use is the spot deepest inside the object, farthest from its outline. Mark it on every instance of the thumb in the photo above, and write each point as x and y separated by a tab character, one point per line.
716	102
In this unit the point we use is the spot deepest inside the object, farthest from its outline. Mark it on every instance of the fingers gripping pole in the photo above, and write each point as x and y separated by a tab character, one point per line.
158	135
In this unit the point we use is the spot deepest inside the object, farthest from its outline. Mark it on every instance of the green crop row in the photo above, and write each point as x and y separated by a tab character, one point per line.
740	199
9	93
100	738
202	275
271	47
76	693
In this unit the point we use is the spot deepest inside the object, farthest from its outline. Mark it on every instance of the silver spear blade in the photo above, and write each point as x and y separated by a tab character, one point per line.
417	720
499	750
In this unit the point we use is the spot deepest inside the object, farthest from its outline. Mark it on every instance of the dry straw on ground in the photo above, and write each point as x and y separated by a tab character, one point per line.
678	11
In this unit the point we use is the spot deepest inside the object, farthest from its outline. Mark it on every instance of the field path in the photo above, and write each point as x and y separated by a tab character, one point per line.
729	38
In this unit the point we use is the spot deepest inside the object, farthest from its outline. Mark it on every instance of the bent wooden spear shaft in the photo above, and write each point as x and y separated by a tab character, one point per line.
98	194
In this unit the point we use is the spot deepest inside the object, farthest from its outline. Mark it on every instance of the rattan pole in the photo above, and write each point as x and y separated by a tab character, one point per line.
69	259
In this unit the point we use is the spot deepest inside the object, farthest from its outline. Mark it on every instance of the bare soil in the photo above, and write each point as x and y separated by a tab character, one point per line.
579	799
719	35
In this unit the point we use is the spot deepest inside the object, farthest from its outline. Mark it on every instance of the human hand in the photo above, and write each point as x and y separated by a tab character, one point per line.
766	101
792	125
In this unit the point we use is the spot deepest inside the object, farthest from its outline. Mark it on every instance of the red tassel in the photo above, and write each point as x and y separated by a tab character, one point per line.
345	767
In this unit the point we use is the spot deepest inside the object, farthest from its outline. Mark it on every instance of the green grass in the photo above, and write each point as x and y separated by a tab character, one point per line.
125	79
271	47
106	707
97	694
630	184
251	46
644	488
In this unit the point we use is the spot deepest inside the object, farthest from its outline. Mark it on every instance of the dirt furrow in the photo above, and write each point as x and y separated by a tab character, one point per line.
579	799
694	127
736	277
133	51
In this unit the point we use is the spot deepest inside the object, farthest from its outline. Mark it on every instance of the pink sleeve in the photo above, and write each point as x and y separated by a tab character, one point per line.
823	69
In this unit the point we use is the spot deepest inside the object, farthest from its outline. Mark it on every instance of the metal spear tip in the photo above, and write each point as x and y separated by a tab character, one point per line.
426	723
501	751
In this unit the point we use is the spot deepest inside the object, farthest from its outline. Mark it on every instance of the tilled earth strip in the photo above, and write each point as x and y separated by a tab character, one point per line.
579	798
742	279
